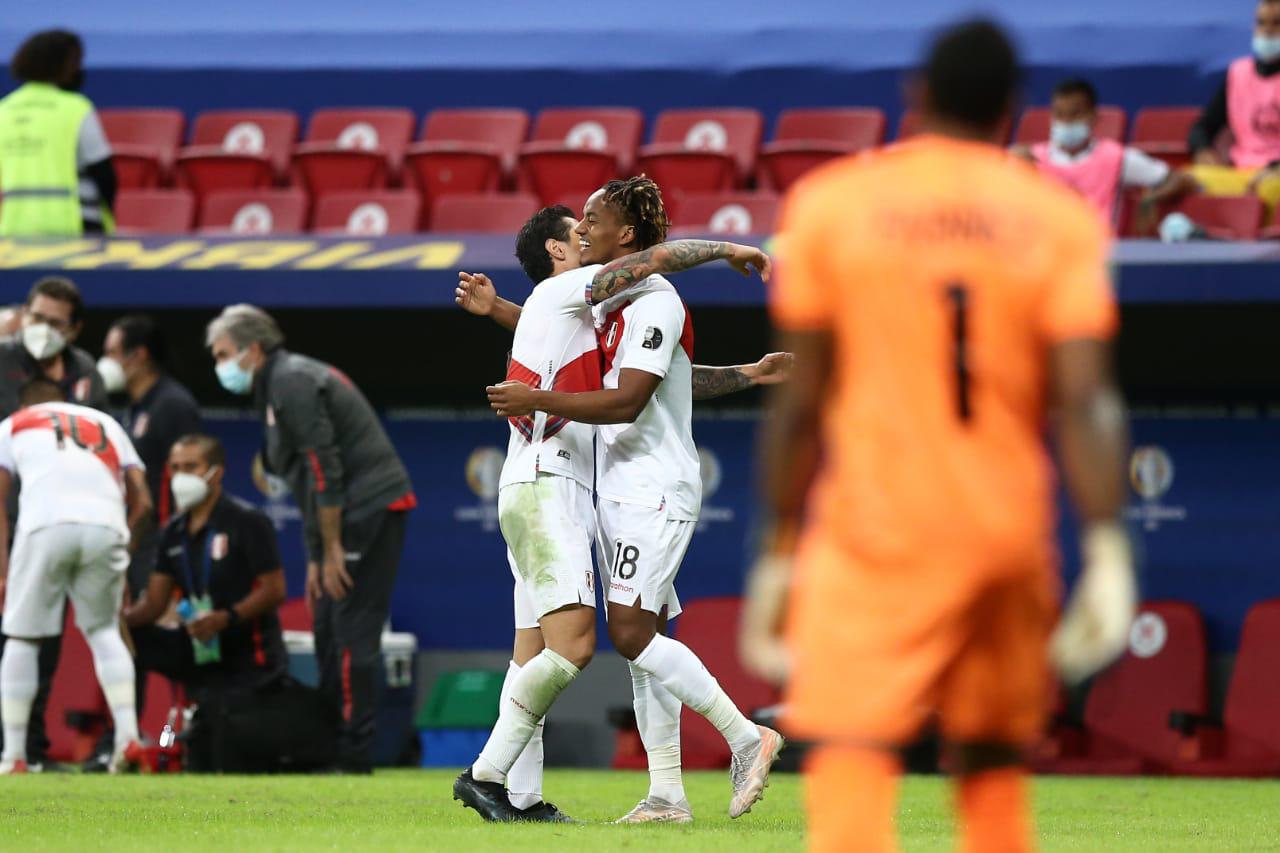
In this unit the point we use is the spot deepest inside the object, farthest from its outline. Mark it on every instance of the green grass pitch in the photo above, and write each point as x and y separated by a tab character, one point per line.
413	810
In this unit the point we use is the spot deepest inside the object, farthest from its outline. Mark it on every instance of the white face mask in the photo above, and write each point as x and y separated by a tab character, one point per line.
42	340
189	489
112	373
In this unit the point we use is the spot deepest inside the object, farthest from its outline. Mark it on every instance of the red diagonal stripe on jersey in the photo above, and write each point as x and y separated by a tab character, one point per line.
686	334
85	433
581	374
517	372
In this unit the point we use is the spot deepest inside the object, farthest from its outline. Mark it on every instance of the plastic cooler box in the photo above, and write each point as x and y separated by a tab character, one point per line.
396	697
455	721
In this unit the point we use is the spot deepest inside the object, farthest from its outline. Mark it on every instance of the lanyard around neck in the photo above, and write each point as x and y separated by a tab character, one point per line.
208	563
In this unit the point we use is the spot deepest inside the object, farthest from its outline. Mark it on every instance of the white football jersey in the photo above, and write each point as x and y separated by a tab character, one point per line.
71	460
652	462
554	348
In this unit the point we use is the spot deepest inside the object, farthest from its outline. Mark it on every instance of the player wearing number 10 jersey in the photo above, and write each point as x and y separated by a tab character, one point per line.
941	300
83	487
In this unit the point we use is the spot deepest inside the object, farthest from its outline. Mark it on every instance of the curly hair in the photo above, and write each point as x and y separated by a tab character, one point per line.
639	201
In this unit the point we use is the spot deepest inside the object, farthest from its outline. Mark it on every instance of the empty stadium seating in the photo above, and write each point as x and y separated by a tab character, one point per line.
465	151
235	149
254	212
709	626
1246	742
155	211
1162	132
368	214
352	149
488	214
1033	127
807	138
1125	726
578	150
726	213
144	143
702	150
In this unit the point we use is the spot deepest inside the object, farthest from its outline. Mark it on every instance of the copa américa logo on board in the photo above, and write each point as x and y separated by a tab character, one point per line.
483	471
1151	472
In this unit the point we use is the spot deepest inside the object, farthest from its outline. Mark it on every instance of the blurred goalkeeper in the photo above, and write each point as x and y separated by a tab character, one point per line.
941	301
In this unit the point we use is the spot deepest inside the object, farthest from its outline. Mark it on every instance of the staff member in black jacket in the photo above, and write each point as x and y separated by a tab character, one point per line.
322	436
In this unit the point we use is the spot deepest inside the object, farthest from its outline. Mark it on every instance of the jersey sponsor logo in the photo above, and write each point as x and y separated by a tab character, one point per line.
218	547
71	430
141	424
652	338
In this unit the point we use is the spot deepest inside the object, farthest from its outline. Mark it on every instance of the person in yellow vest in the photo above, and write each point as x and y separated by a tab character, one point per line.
56	177
1248	102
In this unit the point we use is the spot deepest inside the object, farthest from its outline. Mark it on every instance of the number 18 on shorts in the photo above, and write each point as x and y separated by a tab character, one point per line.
641	549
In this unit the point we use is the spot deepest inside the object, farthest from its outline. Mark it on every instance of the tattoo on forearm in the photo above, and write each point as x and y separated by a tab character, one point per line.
672	257
712	382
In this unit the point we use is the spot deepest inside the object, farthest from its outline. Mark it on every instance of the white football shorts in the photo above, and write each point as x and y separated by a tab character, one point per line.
548	526
85	562
640	550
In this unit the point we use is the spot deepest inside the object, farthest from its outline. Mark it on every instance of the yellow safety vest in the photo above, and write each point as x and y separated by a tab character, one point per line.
39	176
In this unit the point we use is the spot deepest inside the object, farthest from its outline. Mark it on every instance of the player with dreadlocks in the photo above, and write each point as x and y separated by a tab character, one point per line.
649	492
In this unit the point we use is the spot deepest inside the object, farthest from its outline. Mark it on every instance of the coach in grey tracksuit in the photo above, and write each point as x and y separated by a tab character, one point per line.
323	438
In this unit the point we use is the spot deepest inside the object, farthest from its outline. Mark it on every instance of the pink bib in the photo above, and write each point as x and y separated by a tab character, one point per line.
1096	175
1253	111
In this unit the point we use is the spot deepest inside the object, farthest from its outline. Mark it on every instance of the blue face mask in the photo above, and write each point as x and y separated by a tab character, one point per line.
1069	134
1266	48
234	377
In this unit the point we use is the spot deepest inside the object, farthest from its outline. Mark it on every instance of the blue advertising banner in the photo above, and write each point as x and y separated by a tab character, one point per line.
1205	500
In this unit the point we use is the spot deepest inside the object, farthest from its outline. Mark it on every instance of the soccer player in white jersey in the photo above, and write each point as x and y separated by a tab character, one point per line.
544	500
649	487
83	490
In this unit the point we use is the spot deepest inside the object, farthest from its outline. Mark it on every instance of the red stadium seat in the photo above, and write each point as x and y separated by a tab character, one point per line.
295	615
702	150
465	151
578	150
1247	743
709	626
487	214
909	126
1034	126
356	149
254	212
368	214
1126	717
1162	132
233	149
155	212
726	213
807	138
144	143
1226	217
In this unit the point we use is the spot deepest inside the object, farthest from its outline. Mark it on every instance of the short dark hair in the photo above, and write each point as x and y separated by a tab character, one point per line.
38	389
140	330
639	201
61	289
531	244
211	448
972	74
43	57
1081	86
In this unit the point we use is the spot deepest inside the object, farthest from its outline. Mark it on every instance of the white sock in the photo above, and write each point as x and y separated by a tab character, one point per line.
19	678
678	669
533	690
658	719
115	671
524	780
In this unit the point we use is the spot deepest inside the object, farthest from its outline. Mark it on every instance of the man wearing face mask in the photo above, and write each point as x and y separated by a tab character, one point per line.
1248	102
218	556
324	439
55	163
1099	168
44	349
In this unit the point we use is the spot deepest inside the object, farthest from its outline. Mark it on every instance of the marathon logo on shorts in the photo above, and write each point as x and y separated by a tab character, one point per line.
621	587
652	338
218	548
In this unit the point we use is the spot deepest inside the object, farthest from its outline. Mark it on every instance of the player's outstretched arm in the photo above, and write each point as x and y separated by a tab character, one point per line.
621	405
712	382
477	295
673	257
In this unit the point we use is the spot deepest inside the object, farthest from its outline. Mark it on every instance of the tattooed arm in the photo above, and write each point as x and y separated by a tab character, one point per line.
675	256
712	382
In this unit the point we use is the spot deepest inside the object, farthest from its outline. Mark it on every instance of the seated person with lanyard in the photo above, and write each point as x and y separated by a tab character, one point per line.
218	558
